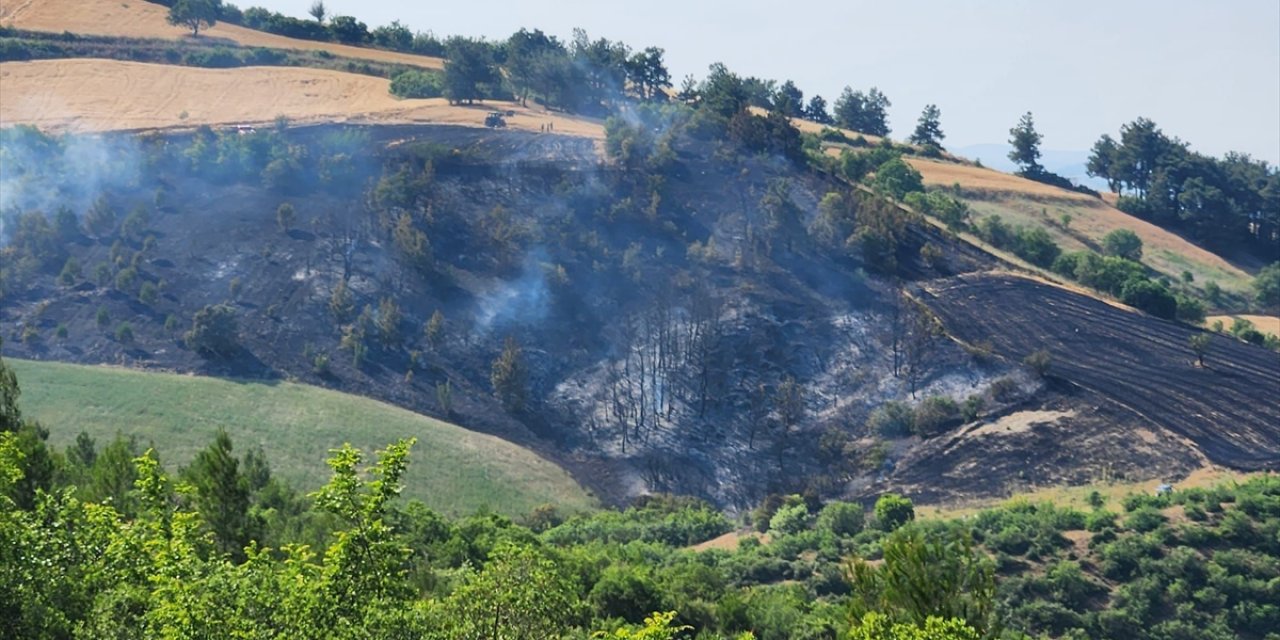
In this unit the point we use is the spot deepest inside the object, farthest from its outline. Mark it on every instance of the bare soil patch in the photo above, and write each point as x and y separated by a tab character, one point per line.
1019	422
139	19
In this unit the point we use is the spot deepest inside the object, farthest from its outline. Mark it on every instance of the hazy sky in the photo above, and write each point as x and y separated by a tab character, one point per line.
1207	72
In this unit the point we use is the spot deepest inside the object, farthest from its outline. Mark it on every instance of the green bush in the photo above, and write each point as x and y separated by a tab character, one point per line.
892	419
843	519
416	83
893	511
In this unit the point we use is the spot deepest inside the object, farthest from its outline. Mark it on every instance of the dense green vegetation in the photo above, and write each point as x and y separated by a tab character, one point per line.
108	543
456	472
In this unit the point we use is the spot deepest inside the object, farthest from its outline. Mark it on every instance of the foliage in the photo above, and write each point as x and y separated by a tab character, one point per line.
893	511
194	14
416	83
1123	243
863	112
897	178
214	331
509	378
928	131
1266	286
1025	141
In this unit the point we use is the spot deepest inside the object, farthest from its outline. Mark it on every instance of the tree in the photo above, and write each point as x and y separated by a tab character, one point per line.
1123	243
521	593
817	111
508	377
1103	160
1039	361
285	216
317	10
648	74
434	330
863	112
469	71
928	131
1026	146
789	100
194	14
348	30
1199	344
222	496
341	303
214	331
388	322
893	511
897	178
1266	286
927	576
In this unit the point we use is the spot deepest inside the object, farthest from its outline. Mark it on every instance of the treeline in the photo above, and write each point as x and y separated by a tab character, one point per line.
1227	202
105	542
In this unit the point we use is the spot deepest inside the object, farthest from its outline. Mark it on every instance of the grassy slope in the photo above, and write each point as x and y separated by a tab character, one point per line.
1024	202
453	470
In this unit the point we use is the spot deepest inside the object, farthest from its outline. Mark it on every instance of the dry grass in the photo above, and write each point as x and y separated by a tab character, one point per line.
1026	202
809	126
1077	497
730	541
139	19
1265	324
105	95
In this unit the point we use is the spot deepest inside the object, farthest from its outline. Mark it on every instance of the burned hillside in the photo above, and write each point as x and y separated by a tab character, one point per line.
671	313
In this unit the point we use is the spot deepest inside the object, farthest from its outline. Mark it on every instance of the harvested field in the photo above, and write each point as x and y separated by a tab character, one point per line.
1228	410
1265	324
946	174
109	95
140	19
809	126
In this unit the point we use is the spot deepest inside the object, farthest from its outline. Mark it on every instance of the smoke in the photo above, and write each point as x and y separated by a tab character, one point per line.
525	300
42	172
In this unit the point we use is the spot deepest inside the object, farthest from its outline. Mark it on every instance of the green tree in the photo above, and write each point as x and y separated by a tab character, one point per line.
863	112
318	10
1266	286
341	303
388	322
434	330
348	30
1123	243
469	70
520	593
893	511
875	626
214	331
194	14
898	178
508	377
222	496
928	131
1026	146
927	576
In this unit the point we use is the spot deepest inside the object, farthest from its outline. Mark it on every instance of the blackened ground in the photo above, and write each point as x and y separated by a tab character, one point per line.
1229	408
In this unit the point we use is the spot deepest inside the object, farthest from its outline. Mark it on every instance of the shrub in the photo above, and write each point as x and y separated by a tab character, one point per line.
124	333
892	420
790	519
61	331
147	295
1039	362
893	511
417	84
214	331
844	519
103	317
1150	296
933	415
1123	243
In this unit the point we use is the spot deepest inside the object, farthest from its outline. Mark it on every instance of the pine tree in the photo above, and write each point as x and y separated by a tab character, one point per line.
1026	145
928	131
222	495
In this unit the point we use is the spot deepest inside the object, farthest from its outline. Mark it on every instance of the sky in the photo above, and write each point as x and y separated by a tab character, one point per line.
1206	72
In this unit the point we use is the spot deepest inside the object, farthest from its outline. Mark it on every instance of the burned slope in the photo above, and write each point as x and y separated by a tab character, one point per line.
658	315
1227	409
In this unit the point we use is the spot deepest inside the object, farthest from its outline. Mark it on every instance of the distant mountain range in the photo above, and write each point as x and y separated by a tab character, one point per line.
1069	163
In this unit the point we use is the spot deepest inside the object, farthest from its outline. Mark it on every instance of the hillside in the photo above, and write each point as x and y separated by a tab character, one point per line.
141	19
455	471
1020	201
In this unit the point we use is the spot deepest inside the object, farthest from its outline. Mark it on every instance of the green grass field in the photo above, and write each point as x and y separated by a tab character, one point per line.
453	470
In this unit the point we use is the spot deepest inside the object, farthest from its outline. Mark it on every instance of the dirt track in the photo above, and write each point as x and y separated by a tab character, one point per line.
1230	409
